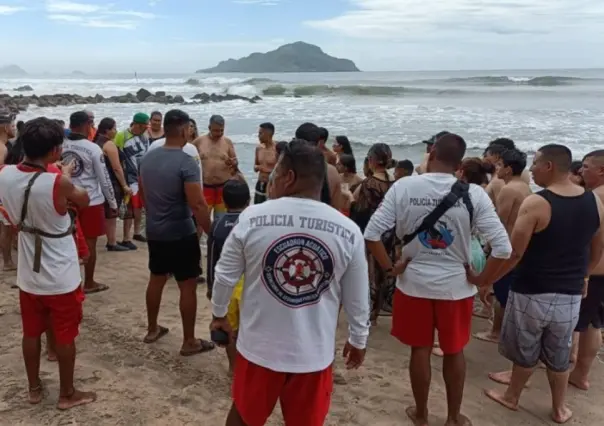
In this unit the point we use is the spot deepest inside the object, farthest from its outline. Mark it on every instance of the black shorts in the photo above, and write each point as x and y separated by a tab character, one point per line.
592	307
119	198
180	258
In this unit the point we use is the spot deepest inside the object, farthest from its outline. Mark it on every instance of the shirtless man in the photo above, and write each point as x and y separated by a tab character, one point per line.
556	243
7	132
591	317
330	156
266	158
509	170
492	156
218	161
332	189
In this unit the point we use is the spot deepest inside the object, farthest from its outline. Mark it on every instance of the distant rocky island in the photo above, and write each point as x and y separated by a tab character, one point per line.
78	73
12	71
294	57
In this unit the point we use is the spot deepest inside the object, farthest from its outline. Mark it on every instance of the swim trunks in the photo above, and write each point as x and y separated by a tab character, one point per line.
213	196
502	288
539	327
260	193
592	307
234	304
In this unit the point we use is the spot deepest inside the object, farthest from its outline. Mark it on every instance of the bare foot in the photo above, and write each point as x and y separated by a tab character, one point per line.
504	378
487	336
436	351
35	394
500	398
76	399
578	382
412	414
51	356
461	421
484	312
94	287
562	416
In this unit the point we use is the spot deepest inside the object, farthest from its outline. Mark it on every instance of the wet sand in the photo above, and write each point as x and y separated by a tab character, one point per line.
139	384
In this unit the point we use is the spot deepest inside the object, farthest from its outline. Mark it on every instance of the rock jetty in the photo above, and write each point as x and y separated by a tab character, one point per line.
19	103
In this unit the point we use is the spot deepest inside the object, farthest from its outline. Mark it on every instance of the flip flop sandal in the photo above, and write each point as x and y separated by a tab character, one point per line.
97	289
204	346
162	331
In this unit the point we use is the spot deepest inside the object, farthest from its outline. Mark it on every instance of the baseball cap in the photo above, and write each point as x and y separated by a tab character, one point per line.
140	118
435	137
6	117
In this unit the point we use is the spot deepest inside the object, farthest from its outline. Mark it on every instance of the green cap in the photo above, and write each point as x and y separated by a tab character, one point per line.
141	118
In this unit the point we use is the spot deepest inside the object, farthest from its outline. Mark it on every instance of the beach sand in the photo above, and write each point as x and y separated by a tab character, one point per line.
139	384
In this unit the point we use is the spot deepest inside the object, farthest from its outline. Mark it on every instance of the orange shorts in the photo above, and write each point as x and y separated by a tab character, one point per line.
305	398
61	312
92	221
414	321
213	196
137	201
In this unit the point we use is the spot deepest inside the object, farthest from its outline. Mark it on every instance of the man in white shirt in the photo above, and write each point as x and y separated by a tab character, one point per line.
302	259
91	174
432	288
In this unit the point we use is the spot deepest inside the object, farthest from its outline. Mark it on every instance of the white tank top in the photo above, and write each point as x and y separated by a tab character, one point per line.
59	268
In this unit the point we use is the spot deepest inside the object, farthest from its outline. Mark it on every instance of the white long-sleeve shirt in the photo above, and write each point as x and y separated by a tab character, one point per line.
301	259
90	171
437	270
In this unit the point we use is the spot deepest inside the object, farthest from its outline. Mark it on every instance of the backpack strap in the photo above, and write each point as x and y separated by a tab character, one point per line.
458	190
38	233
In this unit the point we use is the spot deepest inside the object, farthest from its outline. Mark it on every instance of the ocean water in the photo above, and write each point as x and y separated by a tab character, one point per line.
533	107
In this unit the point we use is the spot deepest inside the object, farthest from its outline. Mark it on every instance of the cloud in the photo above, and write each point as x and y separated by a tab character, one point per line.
9	10
401	20
94	16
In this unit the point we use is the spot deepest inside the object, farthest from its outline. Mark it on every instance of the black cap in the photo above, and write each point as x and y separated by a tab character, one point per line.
78	119
176	117
435	137
6	116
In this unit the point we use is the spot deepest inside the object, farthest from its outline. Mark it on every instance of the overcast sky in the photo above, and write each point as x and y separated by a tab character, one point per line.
185	35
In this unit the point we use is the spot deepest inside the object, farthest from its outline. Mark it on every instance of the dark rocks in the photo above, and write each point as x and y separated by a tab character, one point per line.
143	94
21	102
26	88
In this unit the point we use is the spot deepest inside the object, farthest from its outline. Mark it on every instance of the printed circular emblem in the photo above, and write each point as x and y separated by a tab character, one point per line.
438	238
297	269
78	163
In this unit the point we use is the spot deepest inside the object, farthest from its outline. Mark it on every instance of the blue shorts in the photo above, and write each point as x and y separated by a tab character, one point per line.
502	287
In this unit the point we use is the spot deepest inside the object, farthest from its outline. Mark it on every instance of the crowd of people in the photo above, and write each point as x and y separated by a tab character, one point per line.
461	237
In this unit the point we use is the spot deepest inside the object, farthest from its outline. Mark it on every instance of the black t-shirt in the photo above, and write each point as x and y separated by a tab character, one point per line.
219	233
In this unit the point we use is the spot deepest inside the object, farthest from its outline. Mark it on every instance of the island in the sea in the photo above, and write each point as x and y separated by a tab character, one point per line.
294	57
12	71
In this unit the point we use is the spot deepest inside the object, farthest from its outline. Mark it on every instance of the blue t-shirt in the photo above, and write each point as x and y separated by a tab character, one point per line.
163	173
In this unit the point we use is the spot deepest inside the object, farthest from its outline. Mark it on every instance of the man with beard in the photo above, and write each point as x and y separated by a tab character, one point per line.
218	161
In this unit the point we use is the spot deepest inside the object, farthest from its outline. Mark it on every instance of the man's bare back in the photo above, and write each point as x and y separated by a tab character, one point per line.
266	158
218	159
509	199
599	192
496	185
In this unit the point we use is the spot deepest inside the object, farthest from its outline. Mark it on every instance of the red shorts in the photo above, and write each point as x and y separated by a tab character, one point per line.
61	312
137	201
92	221
305	398
414	321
